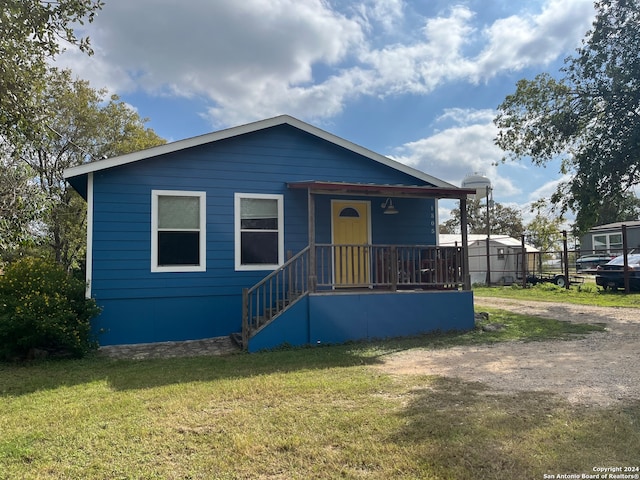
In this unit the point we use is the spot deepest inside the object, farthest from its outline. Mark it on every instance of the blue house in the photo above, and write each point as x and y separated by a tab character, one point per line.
276	232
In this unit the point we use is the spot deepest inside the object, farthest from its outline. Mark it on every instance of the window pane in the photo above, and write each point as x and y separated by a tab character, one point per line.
178	248
178	212
349	212
259	224
599	242
615	240
259	248
258	208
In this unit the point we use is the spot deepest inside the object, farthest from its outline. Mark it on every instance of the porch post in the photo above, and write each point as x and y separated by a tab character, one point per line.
245	318
465	243
625	260
313	278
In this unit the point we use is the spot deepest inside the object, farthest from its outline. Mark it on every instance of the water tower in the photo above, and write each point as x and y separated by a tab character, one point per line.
482	185
479	182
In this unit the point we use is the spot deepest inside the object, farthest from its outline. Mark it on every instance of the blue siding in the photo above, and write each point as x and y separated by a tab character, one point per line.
340	318
411	226
365	316
292	328
145	320
260	162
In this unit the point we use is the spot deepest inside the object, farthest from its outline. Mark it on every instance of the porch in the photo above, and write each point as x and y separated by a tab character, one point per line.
332	293
354	287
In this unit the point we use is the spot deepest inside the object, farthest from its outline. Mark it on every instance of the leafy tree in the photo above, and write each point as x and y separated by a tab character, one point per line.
504	220
20	203
82	126
627	208
590	118
31	32
544	231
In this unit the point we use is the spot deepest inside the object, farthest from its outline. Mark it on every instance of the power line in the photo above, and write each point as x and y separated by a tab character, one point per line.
88	154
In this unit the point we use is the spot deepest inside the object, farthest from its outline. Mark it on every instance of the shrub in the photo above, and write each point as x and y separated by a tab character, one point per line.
43	309
550	287
588	288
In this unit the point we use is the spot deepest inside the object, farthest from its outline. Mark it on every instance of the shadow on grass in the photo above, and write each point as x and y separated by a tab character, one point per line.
467	430
129	374
150	373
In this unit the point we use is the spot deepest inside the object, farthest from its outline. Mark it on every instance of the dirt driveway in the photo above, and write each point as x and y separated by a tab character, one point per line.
600	370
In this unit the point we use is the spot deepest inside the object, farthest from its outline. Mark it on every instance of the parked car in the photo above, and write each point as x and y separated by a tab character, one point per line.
590	262
611	275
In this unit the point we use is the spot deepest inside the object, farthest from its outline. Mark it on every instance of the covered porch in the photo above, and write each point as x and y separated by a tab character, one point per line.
340	291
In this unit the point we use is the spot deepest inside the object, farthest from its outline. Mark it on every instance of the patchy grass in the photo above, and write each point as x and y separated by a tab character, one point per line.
525	328
530	328
300	413
586	294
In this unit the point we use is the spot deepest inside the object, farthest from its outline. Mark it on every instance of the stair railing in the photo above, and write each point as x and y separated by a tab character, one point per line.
274	293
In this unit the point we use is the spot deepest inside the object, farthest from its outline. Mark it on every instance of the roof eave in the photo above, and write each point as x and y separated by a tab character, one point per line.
383	190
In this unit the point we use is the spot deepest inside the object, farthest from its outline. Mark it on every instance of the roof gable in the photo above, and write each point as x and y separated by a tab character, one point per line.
86	168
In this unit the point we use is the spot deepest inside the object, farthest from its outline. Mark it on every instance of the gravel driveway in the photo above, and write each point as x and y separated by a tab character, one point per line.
600	369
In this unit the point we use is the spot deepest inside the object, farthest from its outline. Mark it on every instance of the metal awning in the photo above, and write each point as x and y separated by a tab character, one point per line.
382	190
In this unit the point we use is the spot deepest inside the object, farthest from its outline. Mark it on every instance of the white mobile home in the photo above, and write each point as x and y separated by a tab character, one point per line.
505	257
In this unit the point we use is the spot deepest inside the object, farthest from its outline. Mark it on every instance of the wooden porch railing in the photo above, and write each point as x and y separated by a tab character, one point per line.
389	266
340	267
274	293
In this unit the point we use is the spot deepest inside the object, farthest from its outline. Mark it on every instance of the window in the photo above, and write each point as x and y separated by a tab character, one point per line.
609	242
178	232
349	212
259	234
500	253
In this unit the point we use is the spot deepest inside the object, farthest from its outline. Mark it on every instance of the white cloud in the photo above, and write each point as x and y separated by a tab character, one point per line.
465	146
258	58
459	150
520	41
236	54
548	189
388	13
421	66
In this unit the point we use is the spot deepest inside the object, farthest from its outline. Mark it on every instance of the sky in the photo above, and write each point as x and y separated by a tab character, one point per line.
418	81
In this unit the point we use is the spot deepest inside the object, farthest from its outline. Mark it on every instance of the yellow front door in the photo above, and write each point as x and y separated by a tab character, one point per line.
351	238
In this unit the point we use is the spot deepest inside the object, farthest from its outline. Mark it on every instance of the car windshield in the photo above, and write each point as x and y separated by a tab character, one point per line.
632	260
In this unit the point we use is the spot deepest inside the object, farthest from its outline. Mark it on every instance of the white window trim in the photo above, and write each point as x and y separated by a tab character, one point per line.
608	236
202	267
238	255
89	253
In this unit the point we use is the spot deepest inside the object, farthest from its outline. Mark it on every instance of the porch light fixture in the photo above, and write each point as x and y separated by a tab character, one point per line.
388	207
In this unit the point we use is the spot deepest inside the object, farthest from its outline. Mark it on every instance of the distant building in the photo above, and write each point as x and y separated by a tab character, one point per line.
608	238
505	257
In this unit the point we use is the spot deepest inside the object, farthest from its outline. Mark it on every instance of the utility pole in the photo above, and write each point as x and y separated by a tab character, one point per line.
488	240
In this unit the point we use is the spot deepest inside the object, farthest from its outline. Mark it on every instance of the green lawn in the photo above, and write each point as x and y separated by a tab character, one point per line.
586	294
322	412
